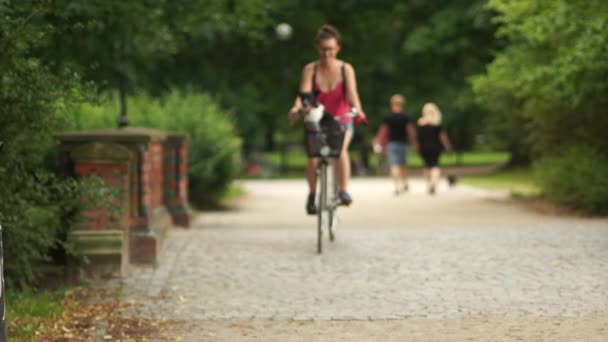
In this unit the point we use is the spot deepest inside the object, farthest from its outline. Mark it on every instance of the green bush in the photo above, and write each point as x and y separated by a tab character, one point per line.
546	89
214	145
36	207
577	178
27	118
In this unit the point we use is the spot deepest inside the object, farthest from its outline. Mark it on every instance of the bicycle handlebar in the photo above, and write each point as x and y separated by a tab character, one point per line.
353	113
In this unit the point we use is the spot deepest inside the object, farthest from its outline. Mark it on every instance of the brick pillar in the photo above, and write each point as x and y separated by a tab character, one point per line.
153	219
144	244
175	179
102	234
144	204
156	174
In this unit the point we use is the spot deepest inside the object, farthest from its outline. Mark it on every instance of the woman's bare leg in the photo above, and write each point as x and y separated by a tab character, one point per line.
311	174
396	175
427	175
343	163
435	175
404	176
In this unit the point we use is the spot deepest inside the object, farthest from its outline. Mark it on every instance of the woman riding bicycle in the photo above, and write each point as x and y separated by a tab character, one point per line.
335	86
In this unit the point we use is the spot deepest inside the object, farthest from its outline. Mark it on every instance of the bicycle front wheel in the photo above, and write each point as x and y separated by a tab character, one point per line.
322	205
332	215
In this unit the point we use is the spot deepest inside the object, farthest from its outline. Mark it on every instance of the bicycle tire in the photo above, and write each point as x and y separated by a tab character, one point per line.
332	222
322	205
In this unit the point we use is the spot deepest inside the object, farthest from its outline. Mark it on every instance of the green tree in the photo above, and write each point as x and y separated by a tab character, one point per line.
549	85
126	45
423	49
36	206
213	146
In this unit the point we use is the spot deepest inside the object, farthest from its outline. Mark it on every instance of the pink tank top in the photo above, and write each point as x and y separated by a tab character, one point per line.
335	101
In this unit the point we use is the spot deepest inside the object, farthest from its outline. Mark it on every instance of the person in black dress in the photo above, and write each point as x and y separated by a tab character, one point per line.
432	139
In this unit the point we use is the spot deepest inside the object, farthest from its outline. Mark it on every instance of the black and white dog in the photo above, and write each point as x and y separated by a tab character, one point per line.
315	111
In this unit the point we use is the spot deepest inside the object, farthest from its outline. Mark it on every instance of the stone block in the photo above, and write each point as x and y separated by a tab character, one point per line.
105	250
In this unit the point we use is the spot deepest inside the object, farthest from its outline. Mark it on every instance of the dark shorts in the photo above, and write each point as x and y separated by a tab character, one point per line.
430	157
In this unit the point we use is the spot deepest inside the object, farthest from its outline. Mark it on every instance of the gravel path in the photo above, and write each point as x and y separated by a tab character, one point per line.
466	264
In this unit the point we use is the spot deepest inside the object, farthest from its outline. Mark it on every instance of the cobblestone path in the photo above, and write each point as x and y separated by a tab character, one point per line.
465	264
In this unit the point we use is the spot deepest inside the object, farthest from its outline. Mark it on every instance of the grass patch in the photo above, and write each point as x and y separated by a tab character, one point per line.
463	159
296	158
77	314
520	182
234	191
476	158
29	313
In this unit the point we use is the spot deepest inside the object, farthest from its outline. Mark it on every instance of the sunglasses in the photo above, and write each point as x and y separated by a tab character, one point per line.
322	49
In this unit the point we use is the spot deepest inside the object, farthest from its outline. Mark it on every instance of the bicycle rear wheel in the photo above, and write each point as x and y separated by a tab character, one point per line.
322	205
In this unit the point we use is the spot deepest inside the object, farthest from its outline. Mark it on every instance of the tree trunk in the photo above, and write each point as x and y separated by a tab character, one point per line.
520	156
270	143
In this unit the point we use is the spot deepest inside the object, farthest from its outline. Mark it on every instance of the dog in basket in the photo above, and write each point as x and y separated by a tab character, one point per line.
316	113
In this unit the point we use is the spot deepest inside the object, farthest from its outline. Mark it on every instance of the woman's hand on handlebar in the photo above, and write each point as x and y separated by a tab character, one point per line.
361	118
295	112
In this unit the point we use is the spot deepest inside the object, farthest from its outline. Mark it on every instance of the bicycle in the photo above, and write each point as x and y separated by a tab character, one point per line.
324	140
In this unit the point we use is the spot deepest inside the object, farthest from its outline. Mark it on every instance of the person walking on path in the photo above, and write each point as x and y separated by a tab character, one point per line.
334	84
396	129
433	139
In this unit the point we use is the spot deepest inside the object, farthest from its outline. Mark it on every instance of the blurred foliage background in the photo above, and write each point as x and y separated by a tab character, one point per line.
526	76
545	93
213	147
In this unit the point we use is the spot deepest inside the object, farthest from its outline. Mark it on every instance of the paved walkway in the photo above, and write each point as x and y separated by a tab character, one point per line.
463	264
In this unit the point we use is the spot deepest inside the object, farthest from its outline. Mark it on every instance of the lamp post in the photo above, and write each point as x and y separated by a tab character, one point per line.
3	335
283	32
123	118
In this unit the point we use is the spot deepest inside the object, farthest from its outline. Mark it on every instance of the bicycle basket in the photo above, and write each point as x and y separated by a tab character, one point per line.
327	140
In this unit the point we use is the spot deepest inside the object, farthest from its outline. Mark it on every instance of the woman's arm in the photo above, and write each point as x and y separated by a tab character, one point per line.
381	138
443	136
305	87
411	133
351	88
